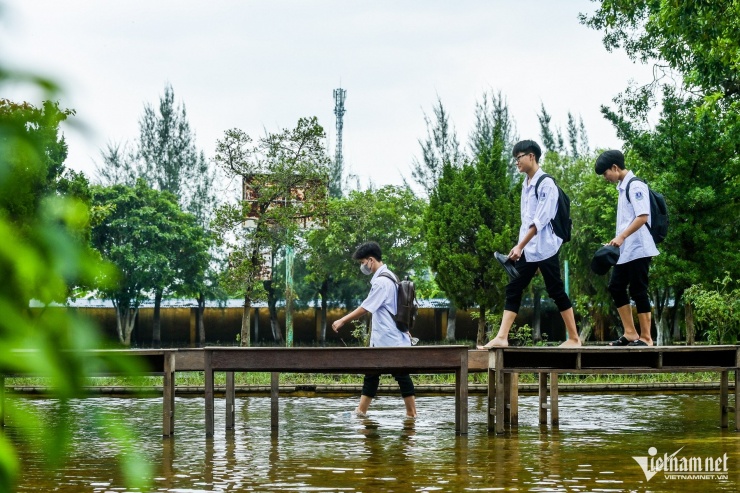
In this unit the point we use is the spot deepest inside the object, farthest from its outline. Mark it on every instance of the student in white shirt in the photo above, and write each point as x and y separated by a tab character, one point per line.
381	302
537	248
636	249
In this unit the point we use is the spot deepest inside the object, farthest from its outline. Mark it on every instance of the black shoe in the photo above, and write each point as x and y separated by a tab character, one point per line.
507	264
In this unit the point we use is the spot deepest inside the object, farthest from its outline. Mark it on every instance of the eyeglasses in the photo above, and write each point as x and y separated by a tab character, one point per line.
517	158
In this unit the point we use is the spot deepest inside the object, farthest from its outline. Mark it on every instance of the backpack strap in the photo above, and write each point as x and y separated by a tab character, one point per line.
537	185
627	189
390	275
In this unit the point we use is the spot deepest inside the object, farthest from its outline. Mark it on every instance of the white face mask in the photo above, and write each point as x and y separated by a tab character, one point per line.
365	269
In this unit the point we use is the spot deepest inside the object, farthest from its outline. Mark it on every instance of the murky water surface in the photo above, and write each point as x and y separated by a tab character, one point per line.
320	447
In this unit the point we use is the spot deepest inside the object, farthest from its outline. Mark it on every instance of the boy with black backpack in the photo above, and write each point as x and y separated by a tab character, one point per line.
382	303
538	244
636	243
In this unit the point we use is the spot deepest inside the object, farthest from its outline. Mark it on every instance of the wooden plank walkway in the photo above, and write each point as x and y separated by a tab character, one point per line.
156	362
414	360
505	364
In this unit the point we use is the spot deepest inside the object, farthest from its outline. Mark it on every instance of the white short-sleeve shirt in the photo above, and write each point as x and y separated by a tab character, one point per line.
381	302
539	210
639	244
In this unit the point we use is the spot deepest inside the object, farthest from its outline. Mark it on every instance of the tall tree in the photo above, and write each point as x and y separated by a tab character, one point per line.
691	155
473	213
165	155
151	241
440	146
284	185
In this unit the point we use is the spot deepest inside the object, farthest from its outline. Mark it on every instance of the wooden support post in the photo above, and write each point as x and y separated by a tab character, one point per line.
168	394
507	398
500	399
274	405
230	400
737	399
208	373
514	399
554	414
461	396
543	398
491	405
2	401
723	398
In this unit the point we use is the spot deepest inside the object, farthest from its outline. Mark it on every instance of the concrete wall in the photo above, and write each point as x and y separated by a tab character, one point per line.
223	325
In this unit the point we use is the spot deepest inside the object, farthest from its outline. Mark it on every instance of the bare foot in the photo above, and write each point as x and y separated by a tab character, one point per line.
495	342
572	343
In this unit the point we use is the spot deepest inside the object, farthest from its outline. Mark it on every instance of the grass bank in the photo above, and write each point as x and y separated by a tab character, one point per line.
196	379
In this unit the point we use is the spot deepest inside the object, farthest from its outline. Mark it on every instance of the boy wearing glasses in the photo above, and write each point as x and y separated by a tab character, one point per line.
537	248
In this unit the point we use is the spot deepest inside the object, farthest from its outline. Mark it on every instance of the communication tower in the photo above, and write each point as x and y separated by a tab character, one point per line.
339	97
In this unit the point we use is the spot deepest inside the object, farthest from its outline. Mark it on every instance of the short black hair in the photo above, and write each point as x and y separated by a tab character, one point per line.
527	146
369	249
607	159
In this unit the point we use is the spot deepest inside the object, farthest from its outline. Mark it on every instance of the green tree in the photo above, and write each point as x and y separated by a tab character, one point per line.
391	216
29	177
691	155
42	259
698	39
166	156
153	243
284	186
473	213
494	133
440	146
465	224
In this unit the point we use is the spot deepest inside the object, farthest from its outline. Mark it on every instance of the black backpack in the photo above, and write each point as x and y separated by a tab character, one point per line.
561	223
406	306
658	212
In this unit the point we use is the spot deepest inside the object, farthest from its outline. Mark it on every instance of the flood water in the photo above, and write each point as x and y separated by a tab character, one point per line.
319	447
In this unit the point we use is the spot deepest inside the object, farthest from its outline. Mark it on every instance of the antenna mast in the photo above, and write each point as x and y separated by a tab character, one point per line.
339	97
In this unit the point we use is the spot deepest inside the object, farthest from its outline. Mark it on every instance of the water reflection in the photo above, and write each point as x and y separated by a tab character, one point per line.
321	447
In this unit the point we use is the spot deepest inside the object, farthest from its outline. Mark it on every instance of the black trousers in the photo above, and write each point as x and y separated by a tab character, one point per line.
372	380
635	275
550	269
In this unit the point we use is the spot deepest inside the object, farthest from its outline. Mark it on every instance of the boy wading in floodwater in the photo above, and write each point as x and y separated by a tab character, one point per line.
381	302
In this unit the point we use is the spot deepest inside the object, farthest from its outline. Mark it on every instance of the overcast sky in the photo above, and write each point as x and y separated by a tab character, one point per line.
259	65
